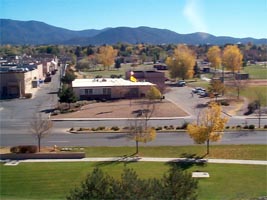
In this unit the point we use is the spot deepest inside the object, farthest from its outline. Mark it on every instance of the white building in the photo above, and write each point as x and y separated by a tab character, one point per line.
109	88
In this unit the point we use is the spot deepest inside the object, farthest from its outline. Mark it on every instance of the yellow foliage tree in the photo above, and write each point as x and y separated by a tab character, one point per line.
139	132
214	56
182	62
106	56
210	126
153	93
232	58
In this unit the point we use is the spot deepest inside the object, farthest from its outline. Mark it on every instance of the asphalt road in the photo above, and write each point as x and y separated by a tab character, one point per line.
16	114
121	139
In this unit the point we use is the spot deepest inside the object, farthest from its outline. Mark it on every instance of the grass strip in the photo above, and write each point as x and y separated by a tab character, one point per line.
54	180
240	152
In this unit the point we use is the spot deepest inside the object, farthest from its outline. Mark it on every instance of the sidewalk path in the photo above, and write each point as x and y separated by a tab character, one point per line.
148	159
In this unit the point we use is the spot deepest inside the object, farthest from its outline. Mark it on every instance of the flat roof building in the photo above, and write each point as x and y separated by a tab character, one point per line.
109	88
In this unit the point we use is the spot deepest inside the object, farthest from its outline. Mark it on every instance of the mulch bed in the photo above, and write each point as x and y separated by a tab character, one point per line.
123	109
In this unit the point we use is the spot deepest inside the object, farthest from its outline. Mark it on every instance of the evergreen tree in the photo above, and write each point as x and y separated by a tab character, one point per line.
66	95
174	185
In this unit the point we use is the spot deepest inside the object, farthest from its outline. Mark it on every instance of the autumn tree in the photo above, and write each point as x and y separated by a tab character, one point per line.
140	132
106	55
214	56
40	128
232	58
210	126
181	64
139	129
216	87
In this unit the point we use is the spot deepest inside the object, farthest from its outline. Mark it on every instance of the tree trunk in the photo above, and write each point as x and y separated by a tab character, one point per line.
259	122
137	147
208	147
39	144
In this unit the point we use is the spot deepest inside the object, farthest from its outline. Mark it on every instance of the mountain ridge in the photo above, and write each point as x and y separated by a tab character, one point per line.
33	32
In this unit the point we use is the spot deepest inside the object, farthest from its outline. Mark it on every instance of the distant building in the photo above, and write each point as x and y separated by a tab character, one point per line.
160	66
109	88
156	77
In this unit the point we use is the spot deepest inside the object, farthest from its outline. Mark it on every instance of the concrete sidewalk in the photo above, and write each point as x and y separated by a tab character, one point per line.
147	159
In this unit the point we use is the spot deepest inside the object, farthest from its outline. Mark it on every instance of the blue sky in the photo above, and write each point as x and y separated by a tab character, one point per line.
236	18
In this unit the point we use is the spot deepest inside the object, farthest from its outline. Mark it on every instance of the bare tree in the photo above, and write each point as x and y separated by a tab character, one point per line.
40	128
139	128
259	102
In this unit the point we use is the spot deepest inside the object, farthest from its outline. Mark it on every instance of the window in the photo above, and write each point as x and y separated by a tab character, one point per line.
88	91
106	91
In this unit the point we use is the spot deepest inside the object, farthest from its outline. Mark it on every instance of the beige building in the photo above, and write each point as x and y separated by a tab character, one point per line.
108	88
18	82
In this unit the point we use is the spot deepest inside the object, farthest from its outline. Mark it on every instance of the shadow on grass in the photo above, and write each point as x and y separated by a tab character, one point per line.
188	161
125	159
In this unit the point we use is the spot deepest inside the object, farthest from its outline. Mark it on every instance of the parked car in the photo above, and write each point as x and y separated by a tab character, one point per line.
47	79
198	90
203	94
181	83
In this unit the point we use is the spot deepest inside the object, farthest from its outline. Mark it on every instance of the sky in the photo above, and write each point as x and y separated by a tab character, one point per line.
235	18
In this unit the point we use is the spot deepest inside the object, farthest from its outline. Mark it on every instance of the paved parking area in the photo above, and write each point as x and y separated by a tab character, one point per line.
183	98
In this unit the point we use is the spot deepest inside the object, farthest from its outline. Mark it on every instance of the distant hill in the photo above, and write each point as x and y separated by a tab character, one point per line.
34	32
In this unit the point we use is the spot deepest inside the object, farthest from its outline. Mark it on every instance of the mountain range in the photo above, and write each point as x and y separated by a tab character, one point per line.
16	32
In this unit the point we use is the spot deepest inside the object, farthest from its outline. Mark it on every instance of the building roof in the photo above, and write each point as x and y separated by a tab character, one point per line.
106	82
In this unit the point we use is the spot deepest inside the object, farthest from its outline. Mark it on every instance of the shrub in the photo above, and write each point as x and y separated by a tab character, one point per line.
265	126
184	125
113	76
159	128
98	76
224	103
251	126
227	127
246	127
126	128
166	127
101	128
115	128
24	149
28	95
171	127
252	107
238	126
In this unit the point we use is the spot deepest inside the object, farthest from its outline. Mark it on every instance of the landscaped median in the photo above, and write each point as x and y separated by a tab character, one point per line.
167	128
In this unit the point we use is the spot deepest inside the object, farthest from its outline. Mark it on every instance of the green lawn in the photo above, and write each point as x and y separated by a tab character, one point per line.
256	71
245	152
252	92
54	180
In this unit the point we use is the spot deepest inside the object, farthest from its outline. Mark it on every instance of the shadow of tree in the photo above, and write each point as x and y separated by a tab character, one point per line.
48	110
125	159
187	161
